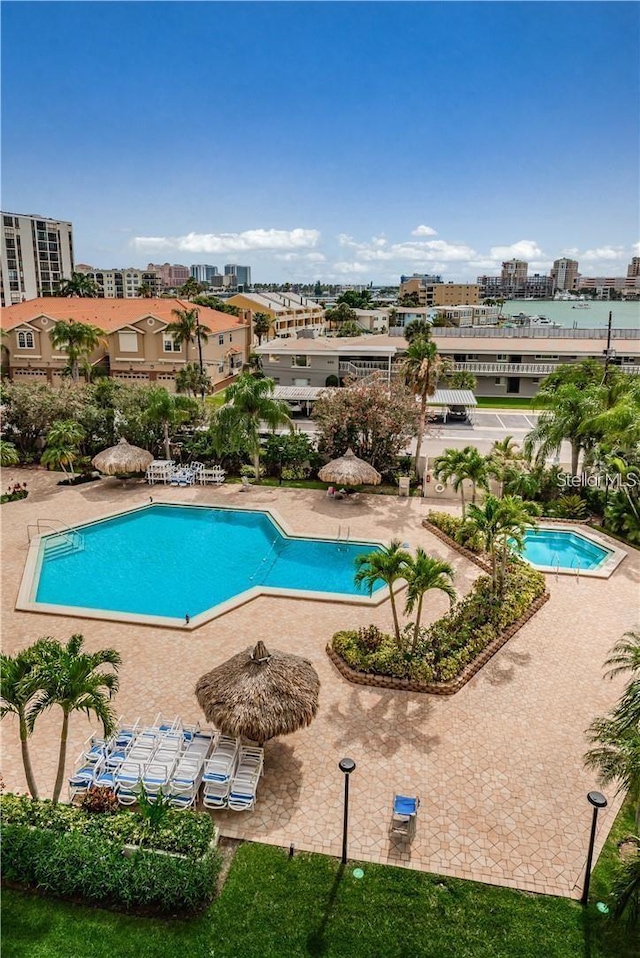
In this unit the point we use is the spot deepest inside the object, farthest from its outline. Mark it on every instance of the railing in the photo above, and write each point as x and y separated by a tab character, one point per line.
528	332
360	368
64	540
535	369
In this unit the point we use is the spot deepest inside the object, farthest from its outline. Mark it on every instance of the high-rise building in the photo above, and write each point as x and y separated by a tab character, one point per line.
203	272
564	274
241	273
35	254
426	278
514	276
171	276
633	269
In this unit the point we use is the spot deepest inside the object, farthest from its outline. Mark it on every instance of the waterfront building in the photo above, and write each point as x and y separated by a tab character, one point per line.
505	361
633	269
36	253
440	294
120	283
426	278
564	274
538	286
136	346
290	312
514	276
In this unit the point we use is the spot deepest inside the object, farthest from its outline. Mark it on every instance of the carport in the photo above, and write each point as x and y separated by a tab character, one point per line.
453	404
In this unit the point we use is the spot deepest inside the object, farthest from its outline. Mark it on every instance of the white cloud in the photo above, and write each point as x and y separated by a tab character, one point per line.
348	268
604	253
635	249
424	231
523	249
247	241
300	257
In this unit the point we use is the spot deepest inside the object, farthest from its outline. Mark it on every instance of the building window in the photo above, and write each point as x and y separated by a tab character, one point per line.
128	342
221	367
273	358
169	345
220	339
501	358
498	380
301	361
25	340
301	382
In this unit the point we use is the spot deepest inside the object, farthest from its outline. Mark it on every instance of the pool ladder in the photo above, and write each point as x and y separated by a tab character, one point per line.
575	564
61	540
577	568
347	534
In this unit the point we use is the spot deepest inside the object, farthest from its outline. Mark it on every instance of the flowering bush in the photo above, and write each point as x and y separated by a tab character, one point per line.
16	491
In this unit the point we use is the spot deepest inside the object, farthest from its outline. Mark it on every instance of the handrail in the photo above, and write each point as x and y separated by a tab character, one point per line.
577	568
556	557
50	522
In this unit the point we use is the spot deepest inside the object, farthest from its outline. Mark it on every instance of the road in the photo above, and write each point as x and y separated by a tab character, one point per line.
488	426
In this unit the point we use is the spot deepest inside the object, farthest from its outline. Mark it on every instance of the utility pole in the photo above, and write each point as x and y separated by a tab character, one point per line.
608	353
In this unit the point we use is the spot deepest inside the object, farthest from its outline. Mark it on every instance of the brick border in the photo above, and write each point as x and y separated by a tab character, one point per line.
454	685
436	688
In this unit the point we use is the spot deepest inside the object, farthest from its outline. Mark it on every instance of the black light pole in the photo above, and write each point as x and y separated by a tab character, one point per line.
598	801
608	353
346	766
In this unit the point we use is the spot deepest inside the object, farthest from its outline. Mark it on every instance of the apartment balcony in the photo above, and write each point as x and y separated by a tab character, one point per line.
361	368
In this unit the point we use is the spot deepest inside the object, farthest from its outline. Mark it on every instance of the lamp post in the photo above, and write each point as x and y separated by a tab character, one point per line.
346	766
598	801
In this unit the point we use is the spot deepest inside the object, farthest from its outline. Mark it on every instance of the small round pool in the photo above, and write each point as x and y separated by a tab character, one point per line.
563	550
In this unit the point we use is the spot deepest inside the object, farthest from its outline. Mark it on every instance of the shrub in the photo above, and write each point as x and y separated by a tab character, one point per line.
451	643
568	507
458	530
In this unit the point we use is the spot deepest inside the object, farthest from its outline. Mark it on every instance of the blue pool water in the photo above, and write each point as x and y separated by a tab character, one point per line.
566	550
177	560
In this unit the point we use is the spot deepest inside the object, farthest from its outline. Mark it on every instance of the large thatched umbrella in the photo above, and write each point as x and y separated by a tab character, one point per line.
348	470
122	459
259	694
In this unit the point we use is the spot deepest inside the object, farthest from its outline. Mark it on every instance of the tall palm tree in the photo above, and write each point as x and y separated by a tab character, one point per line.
625	657
262	325
190	380
63	440
79	285
616	758
78	340
387	565
191	288
249	403
565	416
187	329
71	678
474	468
420	370
485	520
145	290
15	699
516	516
426	573
500	522
166	410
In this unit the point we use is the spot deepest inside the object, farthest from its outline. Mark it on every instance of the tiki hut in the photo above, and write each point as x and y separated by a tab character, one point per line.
259	694
122	459
348	470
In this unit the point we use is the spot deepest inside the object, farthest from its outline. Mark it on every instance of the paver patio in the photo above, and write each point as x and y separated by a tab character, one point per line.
498	766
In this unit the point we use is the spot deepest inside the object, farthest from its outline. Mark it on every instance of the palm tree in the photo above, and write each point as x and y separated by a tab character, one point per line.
426	573
500	522
186	329
249	403
78	340
474	468
417	328
448	468
616	758
166	410
626	892
191	288
566	414
485	520
625	657
63	440
145	290
516	516
387	565
190	380
504	455
420	370
14	698
79	285
71	678
262	326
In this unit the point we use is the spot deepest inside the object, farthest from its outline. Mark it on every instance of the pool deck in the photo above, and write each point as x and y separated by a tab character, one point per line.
498	766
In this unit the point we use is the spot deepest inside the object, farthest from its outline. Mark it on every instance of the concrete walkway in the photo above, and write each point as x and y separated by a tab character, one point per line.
498	766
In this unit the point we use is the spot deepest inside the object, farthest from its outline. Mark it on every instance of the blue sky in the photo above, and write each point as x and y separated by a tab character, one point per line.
342	141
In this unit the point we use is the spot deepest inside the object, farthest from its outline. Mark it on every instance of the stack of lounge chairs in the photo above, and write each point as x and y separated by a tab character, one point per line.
172	759
166	471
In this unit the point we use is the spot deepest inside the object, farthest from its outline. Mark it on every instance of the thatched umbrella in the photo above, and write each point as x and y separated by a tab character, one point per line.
259	694
122	459
348	470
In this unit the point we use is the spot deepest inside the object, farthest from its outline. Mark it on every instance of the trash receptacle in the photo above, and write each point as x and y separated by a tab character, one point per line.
404	483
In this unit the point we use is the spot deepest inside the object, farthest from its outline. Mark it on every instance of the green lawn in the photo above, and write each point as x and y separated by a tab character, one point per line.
275	907
504	402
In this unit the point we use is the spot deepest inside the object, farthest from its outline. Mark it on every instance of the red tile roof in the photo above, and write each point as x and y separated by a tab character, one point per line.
112	314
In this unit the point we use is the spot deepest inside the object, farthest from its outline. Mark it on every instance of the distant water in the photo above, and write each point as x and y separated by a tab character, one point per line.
625	315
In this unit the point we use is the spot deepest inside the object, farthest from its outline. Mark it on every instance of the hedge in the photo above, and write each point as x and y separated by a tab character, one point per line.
64	851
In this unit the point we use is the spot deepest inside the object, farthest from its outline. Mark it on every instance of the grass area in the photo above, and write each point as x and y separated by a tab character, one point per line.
504	402
275	907
216	400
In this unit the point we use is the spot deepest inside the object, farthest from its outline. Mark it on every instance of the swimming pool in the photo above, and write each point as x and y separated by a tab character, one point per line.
185	564
564	550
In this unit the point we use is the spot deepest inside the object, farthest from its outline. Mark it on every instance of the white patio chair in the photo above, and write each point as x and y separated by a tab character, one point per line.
156	777
220	767
126	732
185	782
202	743
404	815
216	794
127	780
242	794
94	748
83	776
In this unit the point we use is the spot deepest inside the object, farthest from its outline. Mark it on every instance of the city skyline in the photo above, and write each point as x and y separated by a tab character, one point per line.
308	141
